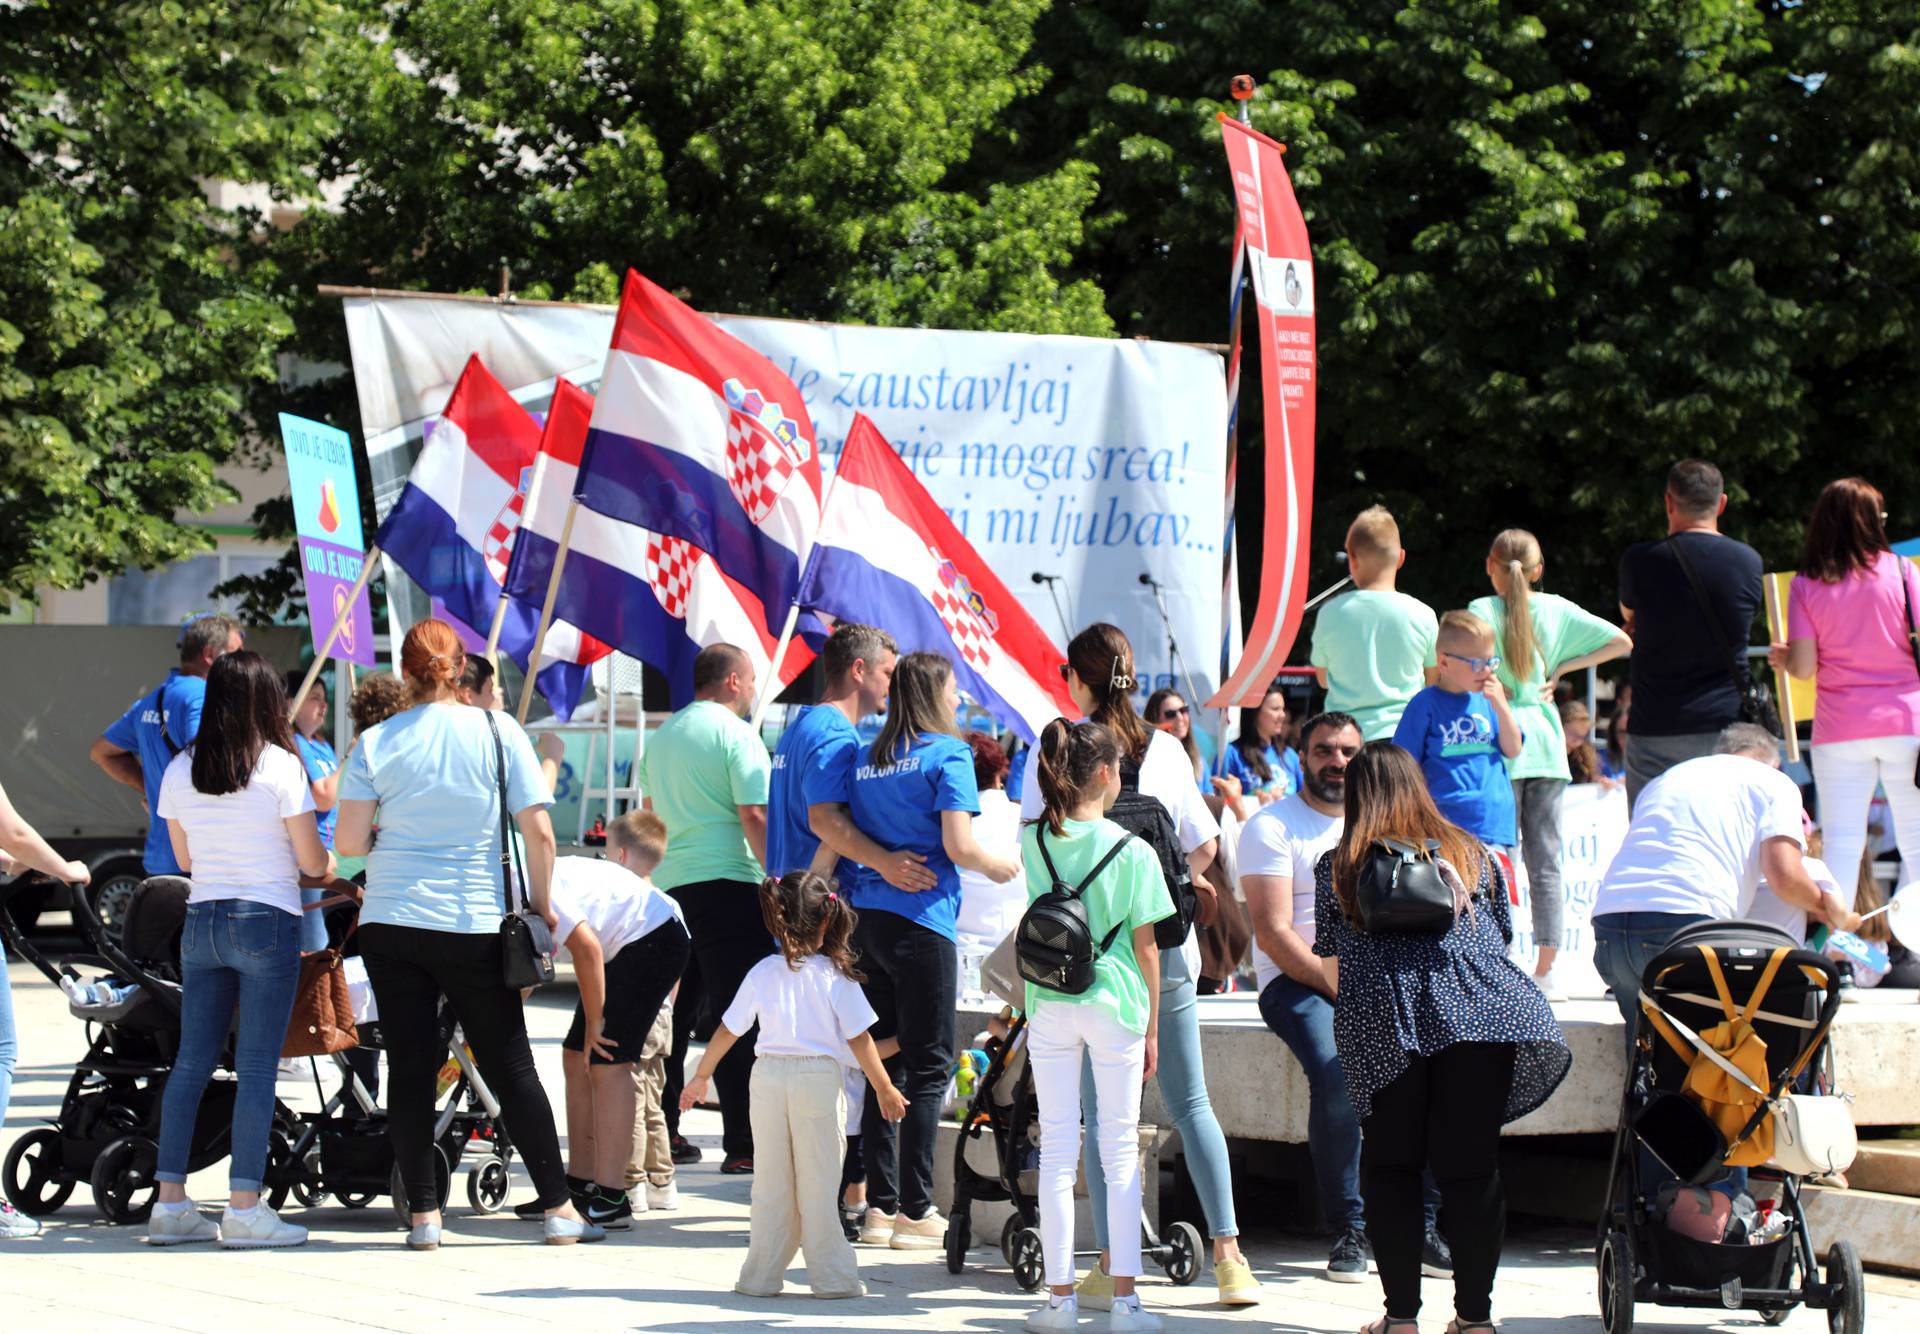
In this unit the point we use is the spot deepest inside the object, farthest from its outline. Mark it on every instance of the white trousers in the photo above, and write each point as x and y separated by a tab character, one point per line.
799	1139
1059	1034
1846	772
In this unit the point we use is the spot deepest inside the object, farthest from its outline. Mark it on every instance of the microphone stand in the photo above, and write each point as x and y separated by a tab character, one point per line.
1052	581
1175	662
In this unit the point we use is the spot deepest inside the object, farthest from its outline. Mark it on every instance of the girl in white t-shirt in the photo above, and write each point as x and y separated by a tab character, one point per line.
813	1021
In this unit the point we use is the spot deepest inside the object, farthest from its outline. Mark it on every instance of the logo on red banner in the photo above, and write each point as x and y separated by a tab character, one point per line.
765	448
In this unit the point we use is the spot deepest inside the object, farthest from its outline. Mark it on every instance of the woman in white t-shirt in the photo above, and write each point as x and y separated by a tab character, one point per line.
239	811
1100	676
813	1020
989	911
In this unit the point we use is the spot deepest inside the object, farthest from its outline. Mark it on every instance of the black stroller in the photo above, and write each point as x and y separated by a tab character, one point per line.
997	1158
108	1127
1793	1004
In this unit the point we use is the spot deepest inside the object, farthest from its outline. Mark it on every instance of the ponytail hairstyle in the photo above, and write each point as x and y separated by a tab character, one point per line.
1070	756
807	914
1517	554
916	706
245	712
432	661
1103	660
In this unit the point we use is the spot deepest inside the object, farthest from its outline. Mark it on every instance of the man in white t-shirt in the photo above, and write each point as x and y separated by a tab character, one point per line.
1704	834
629	945
1278	850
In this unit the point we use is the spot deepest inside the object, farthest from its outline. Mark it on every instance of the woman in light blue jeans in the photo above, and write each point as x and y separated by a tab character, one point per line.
21	849
239	812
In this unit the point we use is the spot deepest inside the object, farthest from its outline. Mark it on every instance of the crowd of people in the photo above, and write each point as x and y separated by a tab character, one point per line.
818	908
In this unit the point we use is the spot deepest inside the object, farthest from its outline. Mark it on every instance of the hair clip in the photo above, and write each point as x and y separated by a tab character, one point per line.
832	897
1119	680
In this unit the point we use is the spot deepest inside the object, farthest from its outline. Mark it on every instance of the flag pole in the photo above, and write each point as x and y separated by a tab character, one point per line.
493	633
767	687
326	645
1243	89
546	615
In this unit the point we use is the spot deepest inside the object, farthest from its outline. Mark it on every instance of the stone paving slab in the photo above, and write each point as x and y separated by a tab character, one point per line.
671	1271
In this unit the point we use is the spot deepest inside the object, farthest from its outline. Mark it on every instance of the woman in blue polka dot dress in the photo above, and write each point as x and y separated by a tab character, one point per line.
1442	1038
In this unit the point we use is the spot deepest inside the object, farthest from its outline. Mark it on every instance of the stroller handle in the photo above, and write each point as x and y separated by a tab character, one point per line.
86	914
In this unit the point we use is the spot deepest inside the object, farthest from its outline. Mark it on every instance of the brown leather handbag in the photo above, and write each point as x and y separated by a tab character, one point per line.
322	1019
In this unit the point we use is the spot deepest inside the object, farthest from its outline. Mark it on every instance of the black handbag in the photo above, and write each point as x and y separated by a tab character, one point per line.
1399	888
1756	694
526	942
1913	637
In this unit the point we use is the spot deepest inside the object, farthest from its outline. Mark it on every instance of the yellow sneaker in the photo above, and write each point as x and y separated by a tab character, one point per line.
1095	1291
1238	1286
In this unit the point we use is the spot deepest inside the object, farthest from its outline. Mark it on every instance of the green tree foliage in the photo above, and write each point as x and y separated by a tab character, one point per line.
1559	245
130	318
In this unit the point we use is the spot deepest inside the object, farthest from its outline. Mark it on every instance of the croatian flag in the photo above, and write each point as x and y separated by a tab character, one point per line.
698	437
657	598
453	528
889	556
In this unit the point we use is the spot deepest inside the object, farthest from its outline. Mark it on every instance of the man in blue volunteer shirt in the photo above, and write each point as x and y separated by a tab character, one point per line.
163	722
813	768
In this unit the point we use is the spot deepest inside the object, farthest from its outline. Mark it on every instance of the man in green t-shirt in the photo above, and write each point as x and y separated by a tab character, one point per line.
1373	648
704	771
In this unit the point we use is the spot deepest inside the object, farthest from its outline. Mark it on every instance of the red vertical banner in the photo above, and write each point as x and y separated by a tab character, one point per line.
1277	257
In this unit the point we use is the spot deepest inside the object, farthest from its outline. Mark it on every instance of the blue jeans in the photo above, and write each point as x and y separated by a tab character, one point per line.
1624	943
1302	1018
234	955
9	1043
313	925
1183	1087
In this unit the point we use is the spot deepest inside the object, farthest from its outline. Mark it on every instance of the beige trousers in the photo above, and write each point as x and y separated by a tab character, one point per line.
799	1137
652	1160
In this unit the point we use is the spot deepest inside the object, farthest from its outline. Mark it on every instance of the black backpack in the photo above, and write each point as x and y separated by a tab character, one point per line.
1147	819
1053	946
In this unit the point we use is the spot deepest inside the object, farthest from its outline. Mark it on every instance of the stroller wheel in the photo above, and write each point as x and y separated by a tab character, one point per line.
37	1183
442	1176
959	1233
356	1199
1008	1231
1183	1261
123	1184
1616	1283
285	1173
1029	1262
1776	1317
487	1184
1846	1290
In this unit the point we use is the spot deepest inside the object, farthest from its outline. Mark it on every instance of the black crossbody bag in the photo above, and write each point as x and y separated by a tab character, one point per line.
1756	696
526	942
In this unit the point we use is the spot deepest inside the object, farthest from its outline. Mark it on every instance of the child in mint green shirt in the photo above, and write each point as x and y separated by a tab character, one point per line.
1113	1025
1373	648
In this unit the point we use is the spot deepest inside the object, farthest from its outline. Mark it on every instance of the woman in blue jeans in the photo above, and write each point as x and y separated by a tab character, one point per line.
22	849
1100	676
239	812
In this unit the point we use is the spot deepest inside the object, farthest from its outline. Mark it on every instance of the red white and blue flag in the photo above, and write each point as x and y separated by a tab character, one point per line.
698	437
889	556
454	526
656	598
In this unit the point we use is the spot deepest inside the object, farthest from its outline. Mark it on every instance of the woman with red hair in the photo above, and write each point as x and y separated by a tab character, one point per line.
1849	622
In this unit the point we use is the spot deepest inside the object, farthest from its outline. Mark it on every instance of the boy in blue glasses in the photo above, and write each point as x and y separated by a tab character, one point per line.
1462	731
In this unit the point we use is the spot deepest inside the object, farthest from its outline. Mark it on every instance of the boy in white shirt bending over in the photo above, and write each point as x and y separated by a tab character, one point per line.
629	945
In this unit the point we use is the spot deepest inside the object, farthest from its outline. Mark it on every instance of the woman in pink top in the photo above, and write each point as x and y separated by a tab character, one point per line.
1847	627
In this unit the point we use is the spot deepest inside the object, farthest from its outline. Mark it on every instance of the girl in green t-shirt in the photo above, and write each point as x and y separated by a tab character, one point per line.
1114	1023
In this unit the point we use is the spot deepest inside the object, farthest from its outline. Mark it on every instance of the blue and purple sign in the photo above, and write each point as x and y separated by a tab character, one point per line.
326	514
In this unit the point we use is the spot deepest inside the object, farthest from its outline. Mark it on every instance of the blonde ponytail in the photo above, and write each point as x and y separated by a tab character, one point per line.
1519	552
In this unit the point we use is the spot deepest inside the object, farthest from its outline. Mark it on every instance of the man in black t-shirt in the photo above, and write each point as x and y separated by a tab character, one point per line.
1683	673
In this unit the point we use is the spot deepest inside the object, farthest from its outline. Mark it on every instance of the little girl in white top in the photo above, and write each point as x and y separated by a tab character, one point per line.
813	1021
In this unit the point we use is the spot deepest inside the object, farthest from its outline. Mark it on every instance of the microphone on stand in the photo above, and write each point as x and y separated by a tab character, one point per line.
1174	663
1149	580
1052	581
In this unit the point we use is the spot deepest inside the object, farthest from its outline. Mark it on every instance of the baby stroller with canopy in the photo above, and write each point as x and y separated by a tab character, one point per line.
1712	996
108	1128
996	1159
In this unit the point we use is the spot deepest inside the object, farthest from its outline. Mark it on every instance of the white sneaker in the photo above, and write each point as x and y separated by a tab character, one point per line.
877	1228
258	1229
1055	1318
1549	984
1128	1315
663	1197
16	1226
919	1234
179	1227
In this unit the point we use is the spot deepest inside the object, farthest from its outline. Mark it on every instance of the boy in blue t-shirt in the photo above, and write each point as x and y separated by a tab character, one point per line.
1462	731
